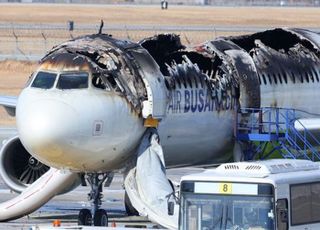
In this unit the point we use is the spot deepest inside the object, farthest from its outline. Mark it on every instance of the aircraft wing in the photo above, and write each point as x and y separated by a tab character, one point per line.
9	103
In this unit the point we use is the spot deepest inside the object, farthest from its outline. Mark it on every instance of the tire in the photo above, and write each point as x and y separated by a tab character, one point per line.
85	217
131	211
101	218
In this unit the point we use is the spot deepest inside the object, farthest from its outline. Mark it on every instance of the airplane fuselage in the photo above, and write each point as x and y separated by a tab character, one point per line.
82	109
94	101
74	129
81	132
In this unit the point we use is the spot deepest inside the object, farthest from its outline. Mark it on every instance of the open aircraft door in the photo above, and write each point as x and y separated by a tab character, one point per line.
155	105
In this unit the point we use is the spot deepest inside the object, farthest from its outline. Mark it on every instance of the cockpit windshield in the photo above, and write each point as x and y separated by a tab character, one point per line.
73	81
44	80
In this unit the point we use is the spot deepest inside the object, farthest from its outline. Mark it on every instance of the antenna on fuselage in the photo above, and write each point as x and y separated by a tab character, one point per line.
101	27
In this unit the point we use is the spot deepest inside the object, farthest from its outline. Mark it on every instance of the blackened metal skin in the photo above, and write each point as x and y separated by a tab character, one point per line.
207	82
243	63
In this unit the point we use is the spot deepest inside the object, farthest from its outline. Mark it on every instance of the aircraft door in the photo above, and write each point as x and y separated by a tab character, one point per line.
155	105
242	69
248	78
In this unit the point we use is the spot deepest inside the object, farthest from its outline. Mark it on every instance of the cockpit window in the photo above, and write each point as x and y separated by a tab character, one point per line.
98	83
73	81
44	80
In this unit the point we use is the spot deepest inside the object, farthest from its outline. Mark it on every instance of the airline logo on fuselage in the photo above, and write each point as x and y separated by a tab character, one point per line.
200	100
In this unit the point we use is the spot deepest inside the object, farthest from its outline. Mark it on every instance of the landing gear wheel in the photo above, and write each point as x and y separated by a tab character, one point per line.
85	217
101	218
95	196
131	211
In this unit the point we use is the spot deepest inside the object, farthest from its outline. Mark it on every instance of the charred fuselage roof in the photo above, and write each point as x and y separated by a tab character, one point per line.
107	58
241	63
226	65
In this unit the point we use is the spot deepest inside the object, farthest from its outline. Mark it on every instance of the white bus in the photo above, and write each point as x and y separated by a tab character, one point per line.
274	194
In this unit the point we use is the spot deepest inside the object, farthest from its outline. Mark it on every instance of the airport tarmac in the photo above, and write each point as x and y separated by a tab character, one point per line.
66	207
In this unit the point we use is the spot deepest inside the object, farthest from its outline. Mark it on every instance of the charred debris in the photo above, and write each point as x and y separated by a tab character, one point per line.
239	64
236	66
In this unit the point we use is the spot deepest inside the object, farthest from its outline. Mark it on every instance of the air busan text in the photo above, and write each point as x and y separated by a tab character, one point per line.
200	100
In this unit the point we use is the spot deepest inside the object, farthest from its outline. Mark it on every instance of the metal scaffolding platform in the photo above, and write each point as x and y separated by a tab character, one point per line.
256	129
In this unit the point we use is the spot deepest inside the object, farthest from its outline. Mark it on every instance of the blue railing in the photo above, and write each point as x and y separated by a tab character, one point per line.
277	125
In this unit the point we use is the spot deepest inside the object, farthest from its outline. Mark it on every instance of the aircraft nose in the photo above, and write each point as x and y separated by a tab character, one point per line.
45	126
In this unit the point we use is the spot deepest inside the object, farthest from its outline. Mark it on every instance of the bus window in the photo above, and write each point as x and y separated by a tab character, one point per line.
305	199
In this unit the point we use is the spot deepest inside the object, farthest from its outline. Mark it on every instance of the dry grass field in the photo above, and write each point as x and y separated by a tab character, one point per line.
152	15
13	74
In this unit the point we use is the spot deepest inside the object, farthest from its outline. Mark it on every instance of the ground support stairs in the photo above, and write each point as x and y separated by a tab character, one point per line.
266	131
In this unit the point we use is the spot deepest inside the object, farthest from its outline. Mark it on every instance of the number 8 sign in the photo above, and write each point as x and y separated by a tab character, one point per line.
225	188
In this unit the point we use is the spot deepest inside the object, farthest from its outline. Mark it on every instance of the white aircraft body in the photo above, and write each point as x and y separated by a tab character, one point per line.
92	101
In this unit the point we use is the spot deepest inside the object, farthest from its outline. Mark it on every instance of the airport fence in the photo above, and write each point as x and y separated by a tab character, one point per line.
31	42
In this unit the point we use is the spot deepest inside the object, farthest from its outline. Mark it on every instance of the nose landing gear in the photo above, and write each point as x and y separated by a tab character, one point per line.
100	216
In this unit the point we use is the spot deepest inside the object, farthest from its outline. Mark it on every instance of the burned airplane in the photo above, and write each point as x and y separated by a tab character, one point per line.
98	104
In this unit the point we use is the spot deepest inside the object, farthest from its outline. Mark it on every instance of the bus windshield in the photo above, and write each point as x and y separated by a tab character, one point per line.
218	211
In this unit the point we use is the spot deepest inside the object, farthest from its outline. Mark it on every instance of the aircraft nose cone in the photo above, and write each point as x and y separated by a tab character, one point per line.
46	127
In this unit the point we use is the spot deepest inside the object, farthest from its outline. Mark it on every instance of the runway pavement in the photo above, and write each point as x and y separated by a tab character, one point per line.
66	207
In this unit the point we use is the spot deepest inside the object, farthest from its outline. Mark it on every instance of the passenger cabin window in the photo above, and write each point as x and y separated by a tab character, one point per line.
275	79
259	78
307	77
311	76
285	77
301	78
316	74
293	77
73	81
264	79
269	77
280	78
44	80
305	200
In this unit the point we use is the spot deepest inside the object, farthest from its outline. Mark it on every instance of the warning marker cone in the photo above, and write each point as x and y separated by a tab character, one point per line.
56	223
